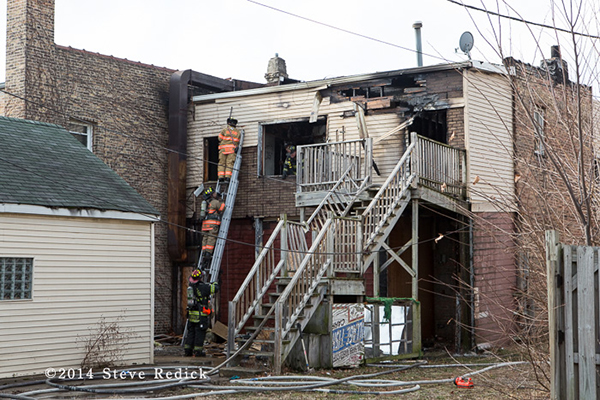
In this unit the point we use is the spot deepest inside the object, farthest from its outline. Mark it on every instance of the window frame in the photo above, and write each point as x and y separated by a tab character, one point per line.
539	131
25	292
260	162
89	134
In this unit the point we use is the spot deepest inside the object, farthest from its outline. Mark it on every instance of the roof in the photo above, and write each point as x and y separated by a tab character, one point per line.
325	83
44	165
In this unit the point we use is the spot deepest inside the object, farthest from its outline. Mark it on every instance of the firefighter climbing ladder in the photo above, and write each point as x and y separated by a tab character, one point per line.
215	265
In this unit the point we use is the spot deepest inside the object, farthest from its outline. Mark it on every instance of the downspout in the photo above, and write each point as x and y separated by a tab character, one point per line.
176	183
177	165
472	283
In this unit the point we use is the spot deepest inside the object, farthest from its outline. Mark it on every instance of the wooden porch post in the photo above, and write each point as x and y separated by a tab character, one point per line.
415	279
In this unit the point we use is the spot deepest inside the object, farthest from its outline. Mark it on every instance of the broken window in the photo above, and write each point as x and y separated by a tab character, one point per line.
274	137
432	125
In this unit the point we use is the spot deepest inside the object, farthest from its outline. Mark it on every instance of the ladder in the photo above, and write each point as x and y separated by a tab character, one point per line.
215	265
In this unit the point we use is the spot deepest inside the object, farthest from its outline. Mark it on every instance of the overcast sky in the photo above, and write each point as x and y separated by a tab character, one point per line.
236	38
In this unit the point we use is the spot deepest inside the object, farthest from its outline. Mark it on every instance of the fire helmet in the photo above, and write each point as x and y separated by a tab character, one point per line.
208	193
195	276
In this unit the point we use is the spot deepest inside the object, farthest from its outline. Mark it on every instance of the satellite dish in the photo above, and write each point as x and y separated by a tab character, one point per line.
466	43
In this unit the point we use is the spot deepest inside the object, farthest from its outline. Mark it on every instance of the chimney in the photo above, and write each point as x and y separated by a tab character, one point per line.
30	58
417	27
276	71
557	67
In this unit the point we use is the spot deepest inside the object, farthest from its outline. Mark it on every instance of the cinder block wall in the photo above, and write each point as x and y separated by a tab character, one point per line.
125	101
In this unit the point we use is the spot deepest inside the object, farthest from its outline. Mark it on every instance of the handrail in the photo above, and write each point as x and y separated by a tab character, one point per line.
389	195
305	280
259	279
343	198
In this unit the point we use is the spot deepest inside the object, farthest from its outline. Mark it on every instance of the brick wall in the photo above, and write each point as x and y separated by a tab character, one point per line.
495	277
125	101
263	196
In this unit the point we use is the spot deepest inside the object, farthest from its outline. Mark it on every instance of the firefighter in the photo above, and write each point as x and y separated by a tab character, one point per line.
211	224
289	165
229	141
199	312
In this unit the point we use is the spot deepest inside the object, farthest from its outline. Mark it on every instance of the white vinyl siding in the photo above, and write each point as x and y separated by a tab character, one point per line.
209	118
85	269
489	141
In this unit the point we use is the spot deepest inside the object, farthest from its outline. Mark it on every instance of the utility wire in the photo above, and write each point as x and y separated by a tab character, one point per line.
345	30
521	20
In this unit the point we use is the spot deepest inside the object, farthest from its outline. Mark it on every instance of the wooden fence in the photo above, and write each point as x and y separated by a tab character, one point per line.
573	310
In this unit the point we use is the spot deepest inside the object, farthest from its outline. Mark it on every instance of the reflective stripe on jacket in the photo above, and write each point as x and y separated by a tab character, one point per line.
208	224
229	139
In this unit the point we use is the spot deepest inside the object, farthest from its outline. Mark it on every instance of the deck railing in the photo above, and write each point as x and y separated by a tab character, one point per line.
440	167
272	262
320	166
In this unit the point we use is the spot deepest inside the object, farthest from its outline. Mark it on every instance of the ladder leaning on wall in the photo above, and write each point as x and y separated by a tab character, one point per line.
232	187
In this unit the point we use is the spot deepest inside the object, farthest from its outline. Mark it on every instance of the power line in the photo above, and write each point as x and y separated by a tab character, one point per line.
344	30
518	19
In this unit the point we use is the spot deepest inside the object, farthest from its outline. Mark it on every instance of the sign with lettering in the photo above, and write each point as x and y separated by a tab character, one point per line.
347	334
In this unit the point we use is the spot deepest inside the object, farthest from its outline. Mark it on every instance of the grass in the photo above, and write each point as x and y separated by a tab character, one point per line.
509	382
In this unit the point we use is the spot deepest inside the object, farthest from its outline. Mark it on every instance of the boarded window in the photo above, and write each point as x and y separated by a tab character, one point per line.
16	278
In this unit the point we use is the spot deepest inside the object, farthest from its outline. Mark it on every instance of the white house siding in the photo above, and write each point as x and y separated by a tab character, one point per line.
84	269
489	141
209	118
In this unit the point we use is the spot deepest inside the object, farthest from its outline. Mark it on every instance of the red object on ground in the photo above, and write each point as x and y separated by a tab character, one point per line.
462	382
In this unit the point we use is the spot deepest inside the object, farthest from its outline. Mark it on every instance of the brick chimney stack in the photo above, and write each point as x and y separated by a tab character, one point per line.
558	68
276	71
30	58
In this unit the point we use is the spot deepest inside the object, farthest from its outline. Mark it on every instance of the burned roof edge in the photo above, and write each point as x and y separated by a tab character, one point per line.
480	65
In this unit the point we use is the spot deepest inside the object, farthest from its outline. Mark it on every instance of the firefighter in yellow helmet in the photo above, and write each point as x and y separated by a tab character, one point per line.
289	165
211	224
199	312
229	141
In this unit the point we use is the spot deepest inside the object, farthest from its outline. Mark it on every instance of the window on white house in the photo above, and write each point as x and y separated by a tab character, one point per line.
16	278
82	132
274	137
538	122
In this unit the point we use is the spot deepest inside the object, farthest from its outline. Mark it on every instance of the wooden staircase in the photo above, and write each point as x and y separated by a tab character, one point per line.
293	272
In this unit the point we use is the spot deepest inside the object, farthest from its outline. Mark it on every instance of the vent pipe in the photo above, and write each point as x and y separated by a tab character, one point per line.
417	26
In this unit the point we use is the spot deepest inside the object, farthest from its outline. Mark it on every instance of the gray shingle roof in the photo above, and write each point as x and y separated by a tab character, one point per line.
44	165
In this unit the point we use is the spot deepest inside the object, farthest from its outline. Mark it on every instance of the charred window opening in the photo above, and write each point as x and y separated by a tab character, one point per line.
366	92
432	125
211	158
276	136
